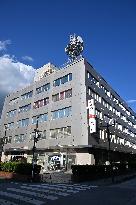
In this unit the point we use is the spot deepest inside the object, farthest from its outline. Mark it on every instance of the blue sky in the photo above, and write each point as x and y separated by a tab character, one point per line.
35	32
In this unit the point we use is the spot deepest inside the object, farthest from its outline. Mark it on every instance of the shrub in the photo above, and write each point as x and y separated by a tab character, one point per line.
88	172
8	166
21	168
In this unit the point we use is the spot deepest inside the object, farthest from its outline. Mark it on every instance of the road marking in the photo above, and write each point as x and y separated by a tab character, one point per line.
79	186
46	191
33	194
66	187
84	186
14	182
5	202
70	187
56	188
22	198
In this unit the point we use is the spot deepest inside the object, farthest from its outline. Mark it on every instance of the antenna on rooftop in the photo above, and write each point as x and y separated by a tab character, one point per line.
75	47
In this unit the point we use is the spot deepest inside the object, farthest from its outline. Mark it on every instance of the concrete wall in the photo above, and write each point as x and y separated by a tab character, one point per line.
84	158
78	120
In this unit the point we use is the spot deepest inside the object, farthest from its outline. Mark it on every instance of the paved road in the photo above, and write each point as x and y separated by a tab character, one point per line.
38	194
67	194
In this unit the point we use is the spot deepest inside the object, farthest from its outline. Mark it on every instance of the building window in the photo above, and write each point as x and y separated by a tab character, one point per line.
9	138
10	125
106	91
55	97
42	135
92	78
11	113
41	103
115	100
62	80
65	112
20	138
27	95
43	88
120	127
68	130
57	82
62	95
98	114
41	118
113	110
23	122
68	93
128	113
24	108
53	133
117	113
106	104
107	119
70	77
13	101
62	132
94	95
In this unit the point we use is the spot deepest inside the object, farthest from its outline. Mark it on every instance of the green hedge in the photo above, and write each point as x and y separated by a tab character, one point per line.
89	172
21	168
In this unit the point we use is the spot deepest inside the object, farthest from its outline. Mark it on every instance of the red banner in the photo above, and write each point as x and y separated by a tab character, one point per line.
92	116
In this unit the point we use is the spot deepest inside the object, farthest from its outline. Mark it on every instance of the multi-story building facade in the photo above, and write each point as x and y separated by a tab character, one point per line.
74	107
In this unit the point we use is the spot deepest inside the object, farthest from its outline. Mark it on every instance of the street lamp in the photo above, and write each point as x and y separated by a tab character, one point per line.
107	126
36	138
66	159
109	146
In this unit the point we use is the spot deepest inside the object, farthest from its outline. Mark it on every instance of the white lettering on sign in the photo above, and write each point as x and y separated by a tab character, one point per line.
92	116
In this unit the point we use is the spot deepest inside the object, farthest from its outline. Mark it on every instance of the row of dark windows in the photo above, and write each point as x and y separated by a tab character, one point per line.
62	80
108	93
62	95
54	133
60	113
44	88
97	97
42	102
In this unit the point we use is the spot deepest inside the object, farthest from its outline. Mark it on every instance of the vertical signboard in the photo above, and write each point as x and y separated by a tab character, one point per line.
92	116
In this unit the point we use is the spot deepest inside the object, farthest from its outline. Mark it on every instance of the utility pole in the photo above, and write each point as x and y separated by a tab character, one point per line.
109	147
109	142
108	137
36	138
66	158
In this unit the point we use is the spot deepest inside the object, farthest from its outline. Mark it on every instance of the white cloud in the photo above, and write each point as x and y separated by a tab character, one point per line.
13	76
4	44
27	58
131	101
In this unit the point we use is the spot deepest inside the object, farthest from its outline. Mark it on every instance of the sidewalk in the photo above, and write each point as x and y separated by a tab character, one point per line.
66	177
110	181
57	177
